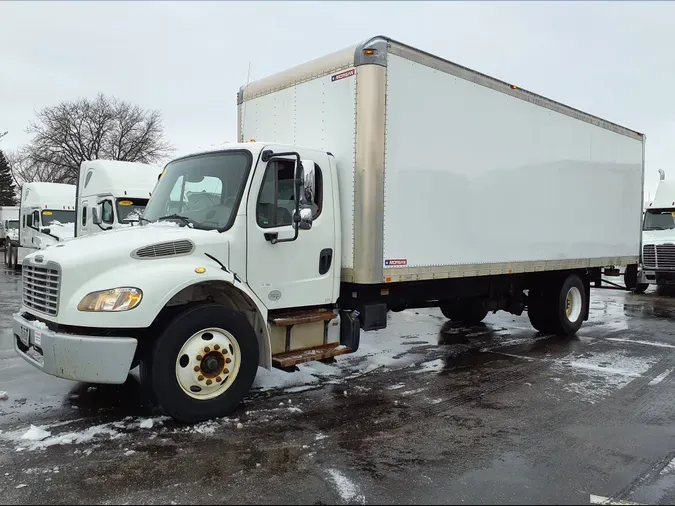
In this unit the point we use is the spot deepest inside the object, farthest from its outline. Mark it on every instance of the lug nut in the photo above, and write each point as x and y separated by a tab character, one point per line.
197	368
208	382
226	371
216	347
228	360
207	349
200	378
199	357
218	379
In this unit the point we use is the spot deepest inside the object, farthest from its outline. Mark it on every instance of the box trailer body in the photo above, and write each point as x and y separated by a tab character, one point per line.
46	217
657	266
112	194
376	178
9	219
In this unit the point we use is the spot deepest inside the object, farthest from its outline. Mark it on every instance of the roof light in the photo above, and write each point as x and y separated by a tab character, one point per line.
514	87
251	140
369	52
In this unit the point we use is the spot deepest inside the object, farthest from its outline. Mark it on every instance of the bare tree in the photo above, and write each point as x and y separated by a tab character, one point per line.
69	133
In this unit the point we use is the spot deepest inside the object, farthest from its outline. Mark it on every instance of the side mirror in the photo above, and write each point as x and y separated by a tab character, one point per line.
305	219
95	216
46	230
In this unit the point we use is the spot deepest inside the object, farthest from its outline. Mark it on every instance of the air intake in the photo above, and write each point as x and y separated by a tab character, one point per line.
165	249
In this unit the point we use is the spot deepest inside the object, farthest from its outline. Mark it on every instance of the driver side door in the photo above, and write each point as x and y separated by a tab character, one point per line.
296	273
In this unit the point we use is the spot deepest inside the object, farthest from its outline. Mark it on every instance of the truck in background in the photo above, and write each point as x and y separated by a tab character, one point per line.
657	259
9	218
112	194
46	217
360	196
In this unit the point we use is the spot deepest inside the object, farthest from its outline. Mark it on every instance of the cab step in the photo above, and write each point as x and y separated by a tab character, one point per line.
322	352
302	317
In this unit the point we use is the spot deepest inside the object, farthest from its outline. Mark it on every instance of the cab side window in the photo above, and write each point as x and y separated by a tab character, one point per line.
107	215
276	202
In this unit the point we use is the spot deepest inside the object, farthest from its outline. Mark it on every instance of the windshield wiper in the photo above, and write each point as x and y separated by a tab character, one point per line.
657	228
184	219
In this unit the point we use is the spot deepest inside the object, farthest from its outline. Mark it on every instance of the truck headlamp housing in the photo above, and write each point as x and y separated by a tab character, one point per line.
112	300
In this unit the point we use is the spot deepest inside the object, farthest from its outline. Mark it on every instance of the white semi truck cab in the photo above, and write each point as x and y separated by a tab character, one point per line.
9	219
46	217
352	202
112	194
657	266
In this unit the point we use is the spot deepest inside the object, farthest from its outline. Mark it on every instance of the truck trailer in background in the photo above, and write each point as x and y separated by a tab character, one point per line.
46	217
112	194
380	178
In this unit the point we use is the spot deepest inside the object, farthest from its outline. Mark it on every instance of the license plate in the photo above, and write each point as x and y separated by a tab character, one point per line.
25	336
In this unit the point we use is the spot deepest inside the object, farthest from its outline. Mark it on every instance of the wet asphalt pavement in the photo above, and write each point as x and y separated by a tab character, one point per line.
425	412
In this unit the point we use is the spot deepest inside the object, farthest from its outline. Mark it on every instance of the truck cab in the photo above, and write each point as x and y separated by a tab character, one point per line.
658	238
112	194
46	217
11	230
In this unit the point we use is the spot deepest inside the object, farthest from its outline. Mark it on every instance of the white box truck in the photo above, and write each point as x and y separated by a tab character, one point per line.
381	178
47	216
9	219
112	194
657	262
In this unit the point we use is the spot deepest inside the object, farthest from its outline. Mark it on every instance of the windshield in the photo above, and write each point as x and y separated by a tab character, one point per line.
659	219
129	210
202	189
50	216
12	224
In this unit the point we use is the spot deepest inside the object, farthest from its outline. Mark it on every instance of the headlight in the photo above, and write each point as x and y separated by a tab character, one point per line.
115	299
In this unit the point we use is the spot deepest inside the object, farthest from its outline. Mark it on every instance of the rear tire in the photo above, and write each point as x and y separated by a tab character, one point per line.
558	308
630	276
470	311
175	368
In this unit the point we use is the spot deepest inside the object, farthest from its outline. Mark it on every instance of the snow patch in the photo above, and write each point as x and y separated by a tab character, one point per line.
660	377
431	366
347	489
4	396
147	424
40	325
670	468
602	373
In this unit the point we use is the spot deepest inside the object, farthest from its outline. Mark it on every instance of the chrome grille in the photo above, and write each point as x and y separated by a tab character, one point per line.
649	255
660	256
165	249
41	286
665	256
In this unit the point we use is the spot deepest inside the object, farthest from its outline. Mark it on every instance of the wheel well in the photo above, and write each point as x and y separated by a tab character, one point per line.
227	295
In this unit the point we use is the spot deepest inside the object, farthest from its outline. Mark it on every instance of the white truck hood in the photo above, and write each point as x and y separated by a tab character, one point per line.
114	247
658	236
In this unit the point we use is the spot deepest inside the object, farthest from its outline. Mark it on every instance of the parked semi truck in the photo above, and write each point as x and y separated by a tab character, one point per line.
9	219
369	182
46	216
657	266
112	194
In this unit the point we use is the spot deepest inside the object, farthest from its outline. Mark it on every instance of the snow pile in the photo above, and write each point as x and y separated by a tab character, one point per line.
36	434
4	396
40	325
147	424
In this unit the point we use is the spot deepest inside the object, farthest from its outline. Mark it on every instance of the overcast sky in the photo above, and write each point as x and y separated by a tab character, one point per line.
188	59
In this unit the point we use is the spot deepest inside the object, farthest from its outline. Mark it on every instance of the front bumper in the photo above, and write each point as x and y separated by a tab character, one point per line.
89	359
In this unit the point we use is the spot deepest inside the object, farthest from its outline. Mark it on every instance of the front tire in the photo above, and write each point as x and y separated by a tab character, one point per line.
640	288
203	363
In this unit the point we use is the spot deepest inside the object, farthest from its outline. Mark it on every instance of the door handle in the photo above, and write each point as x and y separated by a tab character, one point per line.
325	258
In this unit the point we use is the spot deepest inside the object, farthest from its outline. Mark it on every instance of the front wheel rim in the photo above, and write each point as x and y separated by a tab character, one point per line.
208	363
573	304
